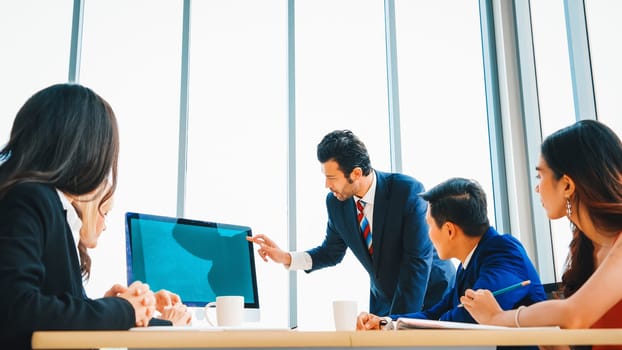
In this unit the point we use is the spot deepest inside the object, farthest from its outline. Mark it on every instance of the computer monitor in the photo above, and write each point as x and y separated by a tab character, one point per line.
198	260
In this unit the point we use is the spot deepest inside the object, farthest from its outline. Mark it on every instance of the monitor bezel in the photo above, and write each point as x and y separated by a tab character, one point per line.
129	216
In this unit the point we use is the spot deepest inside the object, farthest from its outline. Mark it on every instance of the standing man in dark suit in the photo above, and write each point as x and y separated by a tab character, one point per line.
381	218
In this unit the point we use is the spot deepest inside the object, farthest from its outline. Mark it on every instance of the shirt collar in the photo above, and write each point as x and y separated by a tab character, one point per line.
468	258
73	220
368	198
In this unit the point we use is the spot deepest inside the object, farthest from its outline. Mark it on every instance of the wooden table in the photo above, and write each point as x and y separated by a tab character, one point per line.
428	338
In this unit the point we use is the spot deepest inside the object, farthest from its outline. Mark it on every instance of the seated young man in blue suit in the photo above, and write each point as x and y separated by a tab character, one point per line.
459	228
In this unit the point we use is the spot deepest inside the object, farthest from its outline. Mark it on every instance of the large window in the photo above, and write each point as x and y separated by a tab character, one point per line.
131	57
237	148
605	35
442	97
554	93
340	84
34	40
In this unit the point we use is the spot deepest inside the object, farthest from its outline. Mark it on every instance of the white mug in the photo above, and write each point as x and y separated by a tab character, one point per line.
229	311
345	312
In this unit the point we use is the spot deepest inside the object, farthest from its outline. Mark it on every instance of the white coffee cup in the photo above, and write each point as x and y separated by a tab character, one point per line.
229	311
345	312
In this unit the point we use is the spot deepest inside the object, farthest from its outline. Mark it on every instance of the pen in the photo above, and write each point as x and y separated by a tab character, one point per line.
508	288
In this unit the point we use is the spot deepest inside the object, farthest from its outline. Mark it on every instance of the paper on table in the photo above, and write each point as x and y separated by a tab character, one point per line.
413	323
409	323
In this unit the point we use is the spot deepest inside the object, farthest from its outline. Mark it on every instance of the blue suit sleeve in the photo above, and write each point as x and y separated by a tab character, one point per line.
444	310
433	313
331	251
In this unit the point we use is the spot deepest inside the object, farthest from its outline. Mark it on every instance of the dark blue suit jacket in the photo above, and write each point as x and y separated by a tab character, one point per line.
497	262
405	272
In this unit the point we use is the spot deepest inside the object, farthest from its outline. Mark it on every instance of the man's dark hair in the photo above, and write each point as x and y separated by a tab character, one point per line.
460	201
346	149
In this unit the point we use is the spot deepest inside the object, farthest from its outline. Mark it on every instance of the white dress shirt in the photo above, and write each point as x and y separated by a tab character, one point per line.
468	258
72	219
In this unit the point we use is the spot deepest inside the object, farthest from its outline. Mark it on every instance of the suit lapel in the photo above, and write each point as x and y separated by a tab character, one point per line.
460	281
381	206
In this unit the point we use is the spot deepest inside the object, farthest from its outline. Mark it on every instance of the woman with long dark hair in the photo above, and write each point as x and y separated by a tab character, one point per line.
58	174
580	177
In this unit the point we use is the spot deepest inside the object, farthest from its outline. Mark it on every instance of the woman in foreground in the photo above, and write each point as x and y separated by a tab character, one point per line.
57	177
580	177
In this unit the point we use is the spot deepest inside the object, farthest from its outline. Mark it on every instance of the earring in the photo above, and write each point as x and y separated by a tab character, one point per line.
569	213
